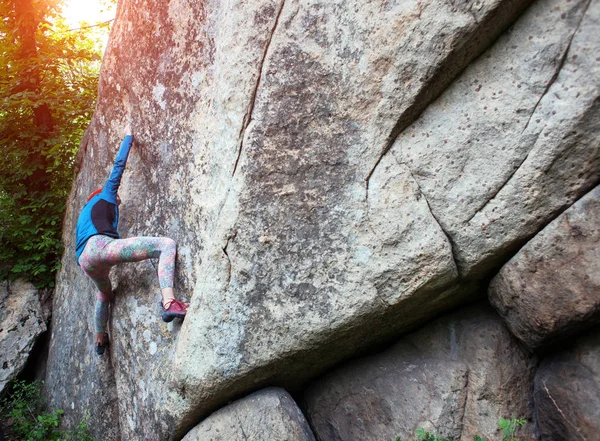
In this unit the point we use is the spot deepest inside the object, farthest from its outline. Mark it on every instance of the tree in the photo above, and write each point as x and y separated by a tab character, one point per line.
48	86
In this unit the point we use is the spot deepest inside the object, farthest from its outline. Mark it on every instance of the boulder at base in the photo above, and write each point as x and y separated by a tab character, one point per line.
268	415
456	377
21	322
551	288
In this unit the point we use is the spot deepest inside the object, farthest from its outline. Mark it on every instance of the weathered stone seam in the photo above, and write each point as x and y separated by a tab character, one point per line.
229	265
386	149
242	427
465	404
558	69
454	259
499	189
560	410
378	296
248	115
547	88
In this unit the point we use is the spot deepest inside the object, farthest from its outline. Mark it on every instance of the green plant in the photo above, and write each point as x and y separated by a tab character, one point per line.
22	408
509	428
28	420
80	433
422	435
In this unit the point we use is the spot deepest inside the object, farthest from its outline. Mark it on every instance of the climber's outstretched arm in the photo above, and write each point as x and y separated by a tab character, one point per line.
111	188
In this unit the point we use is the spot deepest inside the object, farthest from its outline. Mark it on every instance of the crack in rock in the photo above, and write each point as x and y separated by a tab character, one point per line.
546	89
559	67
437	86
448	238
241	425
465	404
560	411
248	115
229	265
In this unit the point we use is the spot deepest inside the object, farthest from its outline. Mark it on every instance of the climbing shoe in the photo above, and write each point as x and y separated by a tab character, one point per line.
176	309
101	348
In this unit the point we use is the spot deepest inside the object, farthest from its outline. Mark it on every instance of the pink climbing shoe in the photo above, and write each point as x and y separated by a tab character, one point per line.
176	309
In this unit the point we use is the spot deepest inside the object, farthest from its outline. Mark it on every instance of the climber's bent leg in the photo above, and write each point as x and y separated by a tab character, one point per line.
106	252
136	249
93	266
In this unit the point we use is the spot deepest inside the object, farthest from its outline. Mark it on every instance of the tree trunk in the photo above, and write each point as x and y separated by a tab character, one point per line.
27	20
27	24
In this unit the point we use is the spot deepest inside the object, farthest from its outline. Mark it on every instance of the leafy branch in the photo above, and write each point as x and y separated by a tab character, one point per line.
48	86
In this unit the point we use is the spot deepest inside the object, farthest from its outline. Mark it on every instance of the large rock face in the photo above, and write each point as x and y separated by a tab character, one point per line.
456	378
21	322
567	392
265	145
551	288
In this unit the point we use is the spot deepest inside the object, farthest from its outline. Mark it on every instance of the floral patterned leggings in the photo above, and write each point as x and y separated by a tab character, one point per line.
101	253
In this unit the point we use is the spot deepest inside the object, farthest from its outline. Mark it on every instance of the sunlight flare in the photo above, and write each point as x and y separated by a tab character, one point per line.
87	12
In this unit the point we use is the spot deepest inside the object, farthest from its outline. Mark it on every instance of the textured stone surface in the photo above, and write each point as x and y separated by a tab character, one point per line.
256	126
262	136
456	377
268	415
307	255
516	139
21	322
551	287
389	395
76	378
567	392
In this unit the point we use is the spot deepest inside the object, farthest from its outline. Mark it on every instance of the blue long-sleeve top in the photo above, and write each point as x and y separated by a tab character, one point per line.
100	215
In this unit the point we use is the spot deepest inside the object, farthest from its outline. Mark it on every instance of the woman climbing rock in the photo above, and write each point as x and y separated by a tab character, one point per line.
99	248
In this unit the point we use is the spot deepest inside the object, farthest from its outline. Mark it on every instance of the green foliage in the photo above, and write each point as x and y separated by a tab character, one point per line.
28	421
48	91
80	433
422	435
509	428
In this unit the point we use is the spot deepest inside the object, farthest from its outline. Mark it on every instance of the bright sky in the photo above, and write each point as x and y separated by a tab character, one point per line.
89	11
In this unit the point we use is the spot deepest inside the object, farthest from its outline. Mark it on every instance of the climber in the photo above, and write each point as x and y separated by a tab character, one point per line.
98	248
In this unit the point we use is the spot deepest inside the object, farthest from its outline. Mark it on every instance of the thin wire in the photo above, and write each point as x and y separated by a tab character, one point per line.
91	26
